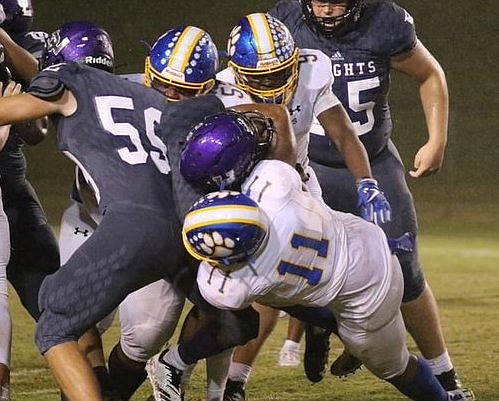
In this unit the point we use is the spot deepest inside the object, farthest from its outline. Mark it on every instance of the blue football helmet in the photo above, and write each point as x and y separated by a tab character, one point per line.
221	151
17	16
185	59
264	58
82	42
224	228
333	26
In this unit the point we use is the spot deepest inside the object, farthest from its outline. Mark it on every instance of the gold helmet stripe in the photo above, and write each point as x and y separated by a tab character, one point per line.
184	48
263	36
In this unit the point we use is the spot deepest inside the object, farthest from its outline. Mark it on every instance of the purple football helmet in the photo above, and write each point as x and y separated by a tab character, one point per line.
82	42
17	16
221	151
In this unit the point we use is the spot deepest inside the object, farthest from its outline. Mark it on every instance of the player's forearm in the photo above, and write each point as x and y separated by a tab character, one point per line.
23	65
355	157
435	102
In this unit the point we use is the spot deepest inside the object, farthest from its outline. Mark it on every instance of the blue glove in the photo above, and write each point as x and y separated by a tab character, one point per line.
404	243
372	202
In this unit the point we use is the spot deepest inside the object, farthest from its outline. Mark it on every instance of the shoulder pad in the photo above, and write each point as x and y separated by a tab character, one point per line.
46	87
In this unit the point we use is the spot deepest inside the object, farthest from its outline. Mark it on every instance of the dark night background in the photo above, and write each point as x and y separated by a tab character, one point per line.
461	199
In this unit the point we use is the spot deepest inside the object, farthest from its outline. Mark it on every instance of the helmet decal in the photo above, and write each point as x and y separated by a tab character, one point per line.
224	227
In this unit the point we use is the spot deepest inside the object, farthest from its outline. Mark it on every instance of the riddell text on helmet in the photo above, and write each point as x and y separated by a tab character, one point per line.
98	60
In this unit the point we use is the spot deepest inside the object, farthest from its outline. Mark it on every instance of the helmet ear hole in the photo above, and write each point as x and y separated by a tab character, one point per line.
225	228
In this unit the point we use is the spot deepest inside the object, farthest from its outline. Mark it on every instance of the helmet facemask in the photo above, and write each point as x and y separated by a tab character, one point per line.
333	26
269	85
264	58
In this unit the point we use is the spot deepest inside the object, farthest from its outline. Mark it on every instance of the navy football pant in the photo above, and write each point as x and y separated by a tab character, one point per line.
340	193
134	245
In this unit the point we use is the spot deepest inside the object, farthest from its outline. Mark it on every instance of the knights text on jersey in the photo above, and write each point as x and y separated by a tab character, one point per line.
361	67
313	95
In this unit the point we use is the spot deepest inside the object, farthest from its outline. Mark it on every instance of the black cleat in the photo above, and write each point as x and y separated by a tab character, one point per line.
234	391
345	365
316	352
449	380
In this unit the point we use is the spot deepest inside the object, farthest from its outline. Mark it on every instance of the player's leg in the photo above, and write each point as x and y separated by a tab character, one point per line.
122	255
5	320
148	318
35	253
289	354
75	228
213	332
419	307
244	356
379	341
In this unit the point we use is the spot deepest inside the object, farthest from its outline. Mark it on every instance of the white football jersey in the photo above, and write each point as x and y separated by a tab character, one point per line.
314	256
313	95
230	94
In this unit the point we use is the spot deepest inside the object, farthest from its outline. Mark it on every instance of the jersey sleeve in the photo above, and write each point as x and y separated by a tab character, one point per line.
223	291
46	85
401	35
288	12
316	77
230	94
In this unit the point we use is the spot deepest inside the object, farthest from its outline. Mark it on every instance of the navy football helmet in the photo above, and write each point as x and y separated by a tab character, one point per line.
264	58
82	42
333	26
221	151
17	16
185	59
224	228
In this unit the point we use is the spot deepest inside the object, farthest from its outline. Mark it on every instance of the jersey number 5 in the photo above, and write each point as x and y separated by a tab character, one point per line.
354	103
152	116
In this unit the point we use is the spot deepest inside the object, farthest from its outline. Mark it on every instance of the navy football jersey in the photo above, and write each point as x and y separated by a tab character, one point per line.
12	160
114	135
361	68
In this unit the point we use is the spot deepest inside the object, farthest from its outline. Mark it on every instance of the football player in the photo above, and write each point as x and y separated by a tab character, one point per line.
265	62
327	258
5	318
364	42
108	127
34	247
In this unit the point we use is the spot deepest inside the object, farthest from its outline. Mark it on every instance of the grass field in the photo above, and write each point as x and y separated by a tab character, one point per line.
464	275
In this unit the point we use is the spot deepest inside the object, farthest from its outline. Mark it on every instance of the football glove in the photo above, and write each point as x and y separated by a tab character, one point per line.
372	202
404	243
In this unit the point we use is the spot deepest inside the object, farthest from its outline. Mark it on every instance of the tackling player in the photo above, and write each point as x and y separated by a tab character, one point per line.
327	258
